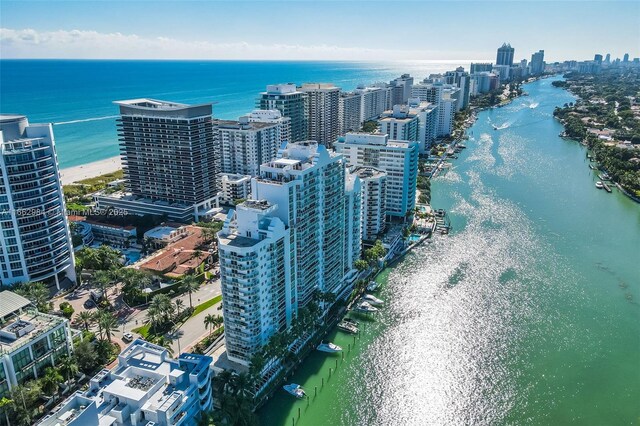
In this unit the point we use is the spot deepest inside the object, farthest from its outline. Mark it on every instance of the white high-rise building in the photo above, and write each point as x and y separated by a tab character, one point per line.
363	104
374	184
353	221
272	116
399	159
307	183
427	114
301	237
445	97
245	144
258	278
35	244
322	107
350	112
373	102
400	124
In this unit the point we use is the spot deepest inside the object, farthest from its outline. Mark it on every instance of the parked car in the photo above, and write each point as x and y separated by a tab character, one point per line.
127	337
88	304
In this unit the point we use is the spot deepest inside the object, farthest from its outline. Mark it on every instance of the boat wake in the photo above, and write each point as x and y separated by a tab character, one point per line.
108	117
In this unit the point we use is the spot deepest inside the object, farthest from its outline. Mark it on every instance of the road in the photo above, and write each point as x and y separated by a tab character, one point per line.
129	318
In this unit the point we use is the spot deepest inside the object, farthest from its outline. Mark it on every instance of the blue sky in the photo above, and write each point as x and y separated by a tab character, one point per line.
363	30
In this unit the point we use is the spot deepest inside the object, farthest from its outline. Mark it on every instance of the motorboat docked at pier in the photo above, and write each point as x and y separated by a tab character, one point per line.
295	390
365	307
599	185
372	300
329	347
373	286
348	327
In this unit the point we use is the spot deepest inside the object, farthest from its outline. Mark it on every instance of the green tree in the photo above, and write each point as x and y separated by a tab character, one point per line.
107	323
209	322
361	264
190	285
50	381
86	357
87	318
68	367
37	293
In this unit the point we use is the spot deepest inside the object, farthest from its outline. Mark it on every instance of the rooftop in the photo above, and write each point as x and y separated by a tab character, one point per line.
11	302
20	329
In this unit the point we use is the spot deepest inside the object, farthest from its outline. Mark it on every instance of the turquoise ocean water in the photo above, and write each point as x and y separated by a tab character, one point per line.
79	95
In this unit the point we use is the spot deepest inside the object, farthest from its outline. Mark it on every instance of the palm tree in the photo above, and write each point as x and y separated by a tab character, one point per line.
165	342
179	305
209	322
86	318
104	280
50	381
68	367
5	403
222	381
108	323
190	284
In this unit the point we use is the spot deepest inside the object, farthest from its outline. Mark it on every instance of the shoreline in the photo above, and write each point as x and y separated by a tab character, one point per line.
75	174
583	143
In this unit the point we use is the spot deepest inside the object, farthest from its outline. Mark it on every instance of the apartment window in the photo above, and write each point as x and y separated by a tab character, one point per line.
21	359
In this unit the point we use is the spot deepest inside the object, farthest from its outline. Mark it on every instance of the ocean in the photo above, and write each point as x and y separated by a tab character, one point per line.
77	95
527	313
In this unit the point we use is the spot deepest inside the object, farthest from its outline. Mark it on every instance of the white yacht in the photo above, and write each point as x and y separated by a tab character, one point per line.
348	327
329	347
366	308
599	185
372	300
373	286
295	390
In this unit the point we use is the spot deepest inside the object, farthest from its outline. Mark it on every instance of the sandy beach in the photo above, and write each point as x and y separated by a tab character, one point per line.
77	173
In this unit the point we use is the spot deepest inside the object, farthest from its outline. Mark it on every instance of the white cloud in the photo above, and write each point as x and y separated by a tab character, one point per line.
29	43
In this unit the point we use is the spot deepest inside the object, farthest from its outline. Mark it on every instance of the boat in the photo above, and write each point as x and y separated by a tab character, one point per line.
295	390
373	286
365	307
605	176
329	347
348	327
372	300
440	212
599	185
351	321
462	146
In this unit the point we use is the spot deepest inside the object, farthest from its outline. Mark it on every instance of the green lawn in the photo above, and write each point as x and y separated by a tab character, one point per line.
143	331
206	305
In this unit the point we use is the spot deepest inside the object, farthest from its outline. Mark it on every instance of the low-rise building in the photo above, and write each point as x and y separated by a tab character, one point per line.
163	235
113	235
180	257
148	387
30	341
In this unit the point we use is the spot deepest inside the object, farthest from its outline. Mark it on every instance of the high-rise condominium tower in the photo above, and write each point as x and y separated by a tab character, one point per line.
36	243
537	62
169	157
287	99
322	101
301	236
398	159
505	55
